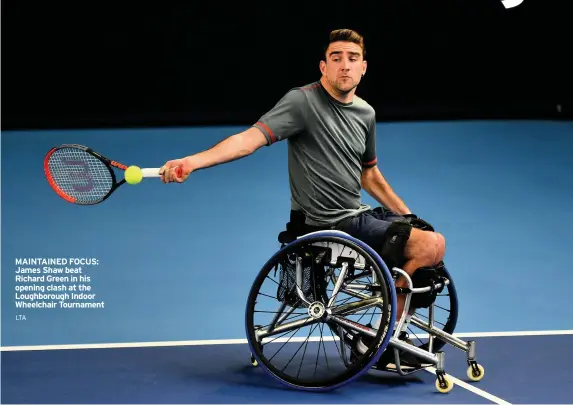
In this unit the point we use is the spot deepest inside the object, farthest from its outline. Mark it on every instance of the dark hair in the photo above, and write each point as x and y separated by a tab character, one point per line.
346	35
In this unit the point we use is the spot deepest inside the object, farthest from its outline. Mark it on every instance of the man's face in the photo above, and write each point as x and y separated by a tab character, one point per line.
344	65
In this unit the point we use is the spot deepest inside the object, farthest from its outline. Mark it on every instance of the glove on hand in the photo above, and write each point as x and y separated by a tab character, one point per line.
418	223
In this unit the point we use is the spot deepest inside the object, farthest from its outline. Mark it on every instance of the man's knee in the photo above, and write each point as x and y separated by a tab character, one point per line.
426	247
440	247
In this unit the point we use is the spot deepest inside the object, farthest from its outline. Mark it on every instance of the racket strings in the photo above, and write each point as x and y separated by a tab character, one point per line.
80	175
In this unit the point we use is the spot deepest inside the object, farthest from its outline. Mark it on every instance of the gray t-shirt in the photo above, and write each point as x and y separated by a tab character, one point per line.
329	143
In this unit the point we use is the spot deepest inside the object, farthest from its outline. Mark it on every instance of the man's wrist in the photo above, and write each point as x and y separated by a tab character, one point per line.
191	162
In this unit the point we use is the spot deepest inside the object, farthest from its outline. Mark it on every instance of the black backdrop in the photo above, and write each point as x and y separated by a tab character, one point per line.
93	64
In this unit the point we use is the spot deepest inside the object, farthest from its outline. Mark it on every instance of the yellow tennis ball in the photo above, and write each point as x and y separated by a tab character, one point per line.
133	175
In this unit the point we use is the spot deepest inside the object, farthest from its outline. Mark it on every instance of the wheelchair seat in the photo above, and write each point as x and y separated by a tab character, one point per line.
297	227
286	237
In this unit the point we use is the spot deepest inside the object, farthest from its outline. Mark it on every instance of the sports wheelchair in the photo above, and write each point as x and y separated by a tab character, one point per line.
327	282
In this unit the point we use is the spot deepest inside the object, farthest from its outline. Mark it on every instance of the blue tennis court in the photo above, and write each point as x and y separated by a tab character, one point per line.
173	265
220	372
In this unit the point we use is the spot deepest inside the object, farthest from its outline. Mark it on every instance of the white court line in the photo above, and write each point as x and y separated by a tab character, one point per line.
432	370
472	388
517	333
244	341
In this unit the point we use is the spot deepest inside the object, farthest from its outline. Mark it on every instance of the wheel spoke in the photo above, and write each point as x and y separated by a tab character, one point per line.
314	283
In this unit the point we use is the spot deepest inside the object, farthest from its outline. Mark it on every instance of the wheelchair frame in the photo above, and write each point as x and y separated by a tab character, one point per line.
443	382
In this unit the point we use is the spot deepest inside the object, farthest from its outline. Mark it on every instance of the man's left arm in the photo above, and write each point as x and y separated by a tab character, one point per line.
376	185
374	182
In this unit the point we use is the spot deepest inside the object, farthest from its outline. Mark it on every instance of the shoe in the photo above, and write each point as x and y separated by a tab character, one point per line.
362	344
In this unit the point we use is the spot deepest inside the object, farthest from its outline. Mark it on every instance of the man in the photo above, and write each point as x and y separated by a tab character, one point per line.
332	156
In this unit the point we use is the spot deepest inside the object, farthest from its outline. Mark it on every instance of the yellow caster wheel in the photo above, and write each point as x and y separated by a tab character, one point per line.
254	361
449	384
475	375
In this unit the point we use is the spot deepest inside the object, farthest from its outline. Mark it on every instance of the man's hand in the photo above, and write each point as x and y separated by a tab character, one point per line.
168	172
419	222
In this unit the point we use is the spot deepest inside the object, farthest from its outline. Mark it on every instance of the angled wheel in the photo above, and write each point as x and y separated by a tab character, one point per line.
310	304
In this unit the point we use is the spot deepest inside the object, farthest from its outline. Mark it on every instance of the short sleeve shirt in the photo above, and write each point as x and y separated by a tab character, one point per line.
329	144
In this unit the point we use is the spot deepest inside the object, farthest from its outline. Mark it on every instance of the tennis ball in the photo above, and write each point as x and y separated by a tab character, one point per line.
133	175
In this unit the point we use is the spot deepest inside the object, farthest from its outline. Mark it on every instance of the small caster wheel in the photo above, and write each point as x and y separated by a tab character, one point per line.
254	361
448	384
476	375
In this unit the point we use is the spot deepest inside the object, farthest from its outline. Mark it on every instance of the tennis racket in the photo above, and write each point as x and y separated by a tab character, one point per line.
83	176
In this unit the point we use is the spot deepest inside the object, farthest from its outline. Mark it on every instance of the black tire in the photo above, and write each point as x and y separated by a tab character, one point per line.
361	363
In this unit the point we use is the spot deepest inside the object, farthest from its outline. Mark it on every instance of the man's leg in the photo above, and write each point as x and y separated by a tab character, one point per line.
423	249
399	245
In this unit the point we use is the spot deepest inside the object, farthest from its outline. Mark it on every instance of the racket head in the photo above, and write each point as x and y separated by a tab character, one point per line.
79	175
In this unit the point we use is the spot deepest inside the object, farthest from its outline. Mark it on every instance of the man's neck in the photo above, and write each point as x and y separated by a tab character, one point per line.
342	97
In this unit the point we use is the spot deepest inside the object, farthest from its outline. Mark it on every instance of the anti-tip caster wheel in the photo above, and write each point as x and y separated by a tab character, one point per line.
446	386
254	361
475	375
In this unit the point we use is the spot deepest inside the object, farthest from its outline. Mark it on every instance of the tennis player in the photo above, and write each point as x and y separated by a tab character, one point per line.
332	156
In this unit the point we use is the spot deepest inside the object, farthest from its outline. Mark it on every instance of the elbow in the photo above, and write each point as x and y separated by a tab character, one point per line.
246	149
367	179
366	183
372	180
243	146
249	141
249	148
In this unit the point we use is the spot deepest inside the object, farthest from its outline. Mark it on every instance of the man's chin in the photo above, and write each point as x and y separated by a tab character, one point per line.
345	88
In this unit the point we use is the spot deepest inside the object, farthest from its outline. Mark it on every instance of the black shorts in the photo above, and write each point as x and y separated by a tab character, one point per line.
371	226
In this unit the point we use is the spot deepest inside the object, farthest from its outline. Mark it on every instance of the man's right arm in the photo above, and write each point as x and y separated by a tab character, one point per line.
232	148
281	122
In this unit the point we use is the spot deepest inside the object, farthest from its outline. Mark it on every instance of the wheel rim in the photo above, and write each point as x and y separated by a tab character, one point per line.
341	373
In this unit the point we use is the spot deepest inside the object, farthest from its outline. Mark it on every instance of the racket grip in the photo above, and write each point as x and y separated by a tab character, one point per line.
151	172
154	172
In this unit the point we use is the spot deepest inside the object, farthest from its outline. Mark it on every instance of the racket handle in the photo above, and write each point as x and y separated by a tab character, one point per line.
154	172
151	172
